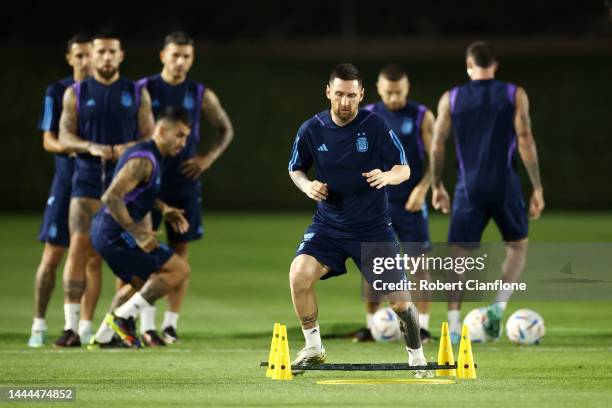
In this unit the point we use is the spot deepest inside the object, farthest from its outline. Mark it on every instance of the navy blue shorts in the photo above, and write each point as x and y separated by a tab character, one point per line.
91	181
331	251
469	219
188	199
54	228
122	254
411	227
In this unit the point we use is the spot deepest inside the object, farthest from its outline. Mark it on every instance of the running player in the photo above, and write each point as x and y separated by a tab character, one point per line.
413	123
123	236
102	116
489	118
349	148
54	229
181	178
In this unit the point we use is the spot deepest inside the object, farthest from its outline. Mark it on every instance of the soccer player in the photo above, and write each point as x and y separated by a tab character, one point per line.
123	236
349	148
54	229
489	119
102	116
181	178
413	123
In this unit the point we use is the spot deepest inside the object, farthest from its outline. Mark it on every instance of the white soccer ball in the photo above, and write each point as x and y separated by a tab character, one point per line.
475	320
525	327
385	325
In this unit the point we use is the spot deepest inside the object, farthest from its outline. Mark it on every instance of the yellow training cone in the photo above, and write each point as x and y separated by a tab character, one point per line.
282	365
445	353
465	365
273	349
286	355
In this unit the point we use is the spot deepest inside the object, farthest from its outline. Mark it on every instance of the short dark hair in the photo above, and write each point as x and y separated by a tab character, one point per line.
106	33
393	72
482	53
178	38
77	39
346	72
174	114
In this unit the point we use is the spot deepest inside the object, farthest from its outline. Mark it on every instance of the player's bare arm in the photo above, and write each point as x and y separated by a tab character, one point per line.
68	138
417	196
396	175
224	133
441	132
528	152
51	142
314	189
146	124
173	215
135	171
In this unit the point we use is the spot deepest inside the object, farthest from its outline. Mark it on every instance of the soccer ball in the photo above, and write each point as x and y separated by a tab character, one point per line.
525	327
385	325
475	321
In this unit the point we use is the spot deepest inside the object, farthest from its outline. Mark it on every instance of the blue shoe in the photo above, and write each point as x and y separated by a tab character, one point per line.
37	339
455	337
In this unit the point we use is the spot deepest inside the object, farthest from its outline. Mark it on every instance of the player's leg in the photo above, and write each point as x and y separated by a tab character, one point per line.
81	213
89	300
305	271
175	298
423	305
43	289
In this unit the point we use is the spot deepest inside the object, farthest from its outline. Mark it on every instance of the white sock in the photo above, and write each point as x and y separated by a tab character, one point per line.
415	355
170	320
104	333
503	296
313	337
84	327
72	312
147	319
369	317
132	307
454	321
502	305
39	324
424	321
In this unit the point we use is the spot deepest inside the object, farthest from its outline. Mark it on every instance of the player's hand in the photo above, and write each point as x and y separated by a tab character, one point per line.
440	199
317	191
416	199
377	178
176	219
146	240
103	151
118	150
536	204
194	167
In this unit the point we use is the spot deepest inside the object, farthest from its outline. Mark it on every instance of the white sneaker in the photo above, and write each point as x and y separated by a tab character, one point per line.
86	337
309	356
37	339
420	373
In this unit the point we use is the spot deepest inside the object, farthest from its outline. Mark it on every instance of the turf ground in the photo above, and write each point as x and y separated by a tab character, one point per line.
239	289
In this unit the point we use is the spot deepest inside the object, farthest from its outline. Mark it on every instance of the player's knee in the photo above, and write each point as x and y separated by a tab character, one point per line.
301	277
94	264
51	259
400	306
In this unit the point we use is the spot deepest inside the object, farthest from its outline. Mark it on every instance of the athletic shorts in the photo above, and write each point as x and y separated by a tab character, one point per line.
120	251
324	245
469	219
189	199
89	181
411	227
54	228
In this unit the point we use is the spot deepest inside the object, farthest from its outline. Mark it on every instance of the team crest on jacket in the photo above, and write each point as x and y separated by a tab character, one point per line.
126	99
362	142
188	102
407	126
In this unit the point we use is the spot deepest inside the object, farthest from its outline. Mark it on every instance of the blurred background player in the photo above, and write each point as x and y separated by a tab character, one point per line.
180	181
54	230
122	234
349	147
488	118
102	116
413	123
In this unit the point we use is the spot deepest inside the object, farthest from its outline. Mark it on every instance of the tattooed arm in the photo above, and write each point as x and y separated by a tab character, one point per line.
528	152
135	171
418	194
441	132
216	115
68	138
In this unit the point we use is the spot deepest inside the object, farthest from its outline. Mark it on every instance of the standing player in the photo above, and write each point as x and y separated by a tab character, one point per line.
102	116
180	181
413	123
349	147
54	230
489	118
123	236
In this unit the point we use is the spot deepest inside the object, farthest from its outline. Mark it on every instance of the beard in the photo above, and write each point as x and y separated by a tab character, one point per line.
344	115
107	74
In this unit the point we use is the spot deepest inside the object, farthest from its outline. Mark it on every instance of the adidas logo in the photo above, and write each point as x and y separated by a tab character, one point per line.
323	148
90	102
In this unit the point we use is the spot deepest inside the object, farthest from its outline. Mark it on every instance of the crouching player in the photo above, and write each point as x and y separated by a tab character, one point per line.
121	231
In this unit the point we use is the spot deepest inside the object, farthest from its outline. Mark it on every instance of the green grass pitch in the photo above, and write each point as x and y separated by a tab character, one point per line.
239	288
